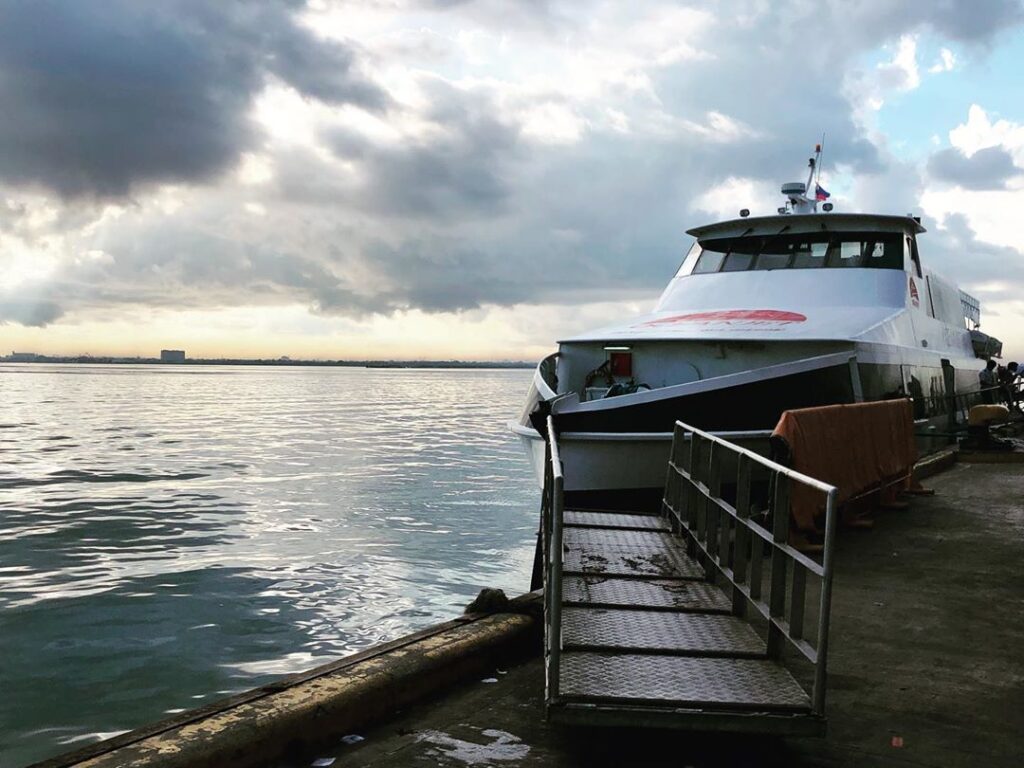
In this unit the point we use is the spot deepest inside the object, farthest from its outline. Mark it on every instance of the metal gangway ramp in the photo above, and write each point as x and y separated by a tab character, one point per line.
684	619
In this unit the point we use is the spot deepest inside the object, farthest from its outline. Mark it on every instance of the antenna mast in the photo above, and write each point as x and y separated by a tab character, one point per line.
814	165
821	152
799	196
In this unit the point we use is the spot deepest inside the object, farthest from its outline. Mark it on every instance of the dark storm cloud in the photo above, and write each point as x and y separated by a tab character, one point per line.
460	168
443	275
101	97
324	70
866	21
988	168
26	311
968	20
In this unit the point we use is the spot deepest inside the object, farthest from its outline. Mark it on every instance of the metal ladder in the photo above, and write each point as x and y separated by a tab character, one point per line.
638	632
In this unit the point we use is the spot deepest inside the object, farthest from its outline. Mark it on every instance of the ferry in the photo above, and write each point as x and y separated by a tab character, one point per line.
803	308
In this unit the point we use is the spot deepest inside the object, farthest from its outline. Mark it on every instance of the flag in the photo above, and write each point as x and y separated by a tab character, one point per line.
820	193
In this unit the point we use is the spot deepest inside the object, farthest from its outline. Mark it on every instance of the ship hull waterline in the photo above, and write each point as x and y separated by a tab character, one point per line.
604	458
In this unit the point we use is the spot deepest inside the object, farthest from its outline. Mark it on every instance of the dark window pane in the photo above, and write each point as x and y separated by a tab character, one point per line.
810	255
772	260
845	253
884	252
709	261
737	262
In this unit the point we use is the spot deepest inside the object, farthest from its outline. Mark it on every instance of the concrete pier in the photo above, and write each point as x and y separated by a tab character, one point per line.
926	665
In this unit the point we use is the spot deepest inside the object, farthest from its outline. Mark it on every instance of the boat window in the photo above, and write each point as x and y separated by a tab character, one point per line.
709	261
915	255
774	259
885	252
804	251
847	254
737	262
810	255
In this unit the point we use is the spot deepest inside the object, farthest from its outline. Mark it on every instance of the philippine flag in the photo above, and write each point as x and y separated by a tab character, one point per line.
820	193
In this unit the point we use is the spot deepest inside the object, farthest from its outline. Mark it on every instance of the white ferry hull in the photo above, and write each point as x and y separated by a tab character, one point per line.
730	351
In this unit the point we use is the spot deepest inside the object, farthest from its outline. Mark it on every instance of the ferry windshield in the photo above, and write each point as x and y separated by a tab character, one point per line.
802	251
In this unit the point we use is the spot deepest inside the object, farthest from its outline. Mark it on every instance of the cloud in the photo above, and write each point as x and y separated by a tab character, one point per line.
901	73
954	249
945	63
28	312
974	22
988	168
980	131
457	166
101	98
547	161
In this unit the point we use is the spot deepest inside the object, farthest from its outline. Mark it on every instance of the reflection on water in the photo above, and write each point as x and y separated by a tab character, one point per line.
172	535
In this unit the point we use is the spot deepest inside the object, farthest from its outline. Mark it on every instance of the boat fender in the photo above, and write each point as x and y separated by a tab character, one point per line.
489	600
985	414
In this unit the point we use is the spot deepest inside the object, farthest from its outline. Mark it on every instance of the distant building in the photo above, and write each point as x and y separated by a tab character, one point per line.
23	357
172	356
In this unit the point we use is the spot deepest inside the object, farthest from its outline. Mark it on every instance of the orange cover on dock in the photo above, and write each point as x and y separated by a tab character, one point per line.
856	448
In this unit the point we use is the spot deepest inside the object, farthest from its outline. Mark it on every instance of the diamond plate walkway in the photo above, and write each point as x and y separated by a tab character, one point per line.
642	629
640	634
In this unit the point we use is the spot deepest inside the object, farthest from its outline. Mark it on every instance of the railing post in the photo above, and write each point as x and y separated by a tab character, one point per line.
742	538
540	554
712	512
555	556
692	495
825	606
777	567
556	590
701	526
672	504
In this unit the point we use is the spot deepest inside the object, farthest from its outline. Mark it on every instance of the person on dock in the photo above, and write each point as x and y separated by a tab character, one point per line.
989	380
1012	383
1006	376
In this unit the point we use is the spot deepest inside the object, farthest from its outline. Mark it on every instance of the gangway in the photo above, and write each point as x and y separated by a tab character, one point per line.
683	619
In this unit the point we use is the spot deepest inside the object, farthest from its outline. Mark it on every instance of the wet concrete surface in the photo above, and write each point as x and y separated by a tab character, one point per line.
926	662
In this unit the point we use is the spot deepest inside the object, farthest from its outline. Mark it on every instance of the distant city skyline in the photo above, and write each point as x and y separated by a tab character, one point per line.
20	356
469	180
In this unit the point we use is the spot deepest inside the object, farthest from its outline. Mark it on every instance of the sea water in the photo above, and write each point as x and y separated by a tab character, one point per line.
170	535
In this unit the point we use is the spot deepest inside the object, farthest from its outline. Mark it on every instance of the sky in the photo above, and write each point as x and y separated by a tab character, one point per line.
471	180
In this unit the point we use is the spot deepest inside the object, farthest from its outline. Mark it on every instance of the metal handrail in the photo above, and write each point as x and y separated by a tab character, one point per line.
957	405
708	520
553	526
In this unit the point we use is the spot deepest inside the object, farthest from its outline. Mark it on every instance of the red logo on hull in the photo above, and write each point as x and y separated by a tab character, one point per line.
915	299
745	317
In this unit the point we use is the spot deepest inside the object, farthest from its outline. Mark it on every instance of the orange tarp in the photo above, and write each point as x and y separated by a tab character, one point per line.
857	448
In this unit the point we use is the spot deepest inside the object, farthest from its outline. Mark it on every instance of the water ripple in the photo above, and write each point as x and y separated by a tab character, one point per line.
190	533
